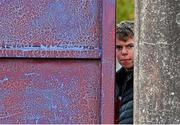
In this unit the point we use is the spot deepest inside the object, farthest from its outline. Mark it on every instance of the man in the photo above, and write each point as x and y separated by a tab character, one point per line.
124	77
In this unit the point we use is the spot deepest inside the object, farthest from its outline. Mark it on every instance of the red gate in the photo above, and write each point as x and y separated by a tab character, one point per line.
57	61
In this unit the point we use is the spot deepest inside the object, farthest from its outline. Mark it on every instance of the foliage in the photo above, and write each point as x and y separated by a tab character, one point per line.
124	10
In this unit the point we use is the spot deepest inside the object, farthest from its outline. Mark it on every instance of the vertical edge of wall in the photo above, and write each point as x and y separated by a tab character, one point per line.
157	65
108	62
136	64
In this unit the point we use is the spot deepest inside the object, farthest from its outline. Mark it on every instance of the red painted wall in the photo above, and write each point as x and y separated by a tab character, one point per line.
57	61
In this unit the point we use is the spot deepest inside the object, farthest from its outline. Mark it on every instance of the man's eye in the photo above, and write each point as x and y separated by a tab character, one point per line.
118	47
130	46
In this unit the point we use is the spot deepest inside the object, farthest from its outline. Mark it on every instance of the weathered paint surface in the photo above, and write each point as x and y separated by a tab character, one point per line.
50	28
157	65
108	62
54	89
49	91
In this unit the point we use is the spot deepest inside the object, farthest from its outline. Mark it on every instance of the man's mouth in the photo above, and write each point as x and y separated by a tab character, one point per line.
125	59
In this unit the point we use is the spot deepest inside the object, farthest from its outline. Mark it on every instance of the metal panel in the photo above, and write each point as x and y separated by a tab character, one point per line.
108	62
57	90
50	28
49	91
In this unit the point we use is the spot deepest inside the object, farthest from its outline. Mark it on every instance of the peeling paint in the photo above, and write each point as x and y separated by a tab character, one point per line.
30	74
4	80
48	94
47	26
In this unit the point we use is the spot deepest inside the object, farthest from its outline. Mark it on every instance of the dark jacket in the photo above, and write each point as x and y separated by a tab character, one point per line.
124	92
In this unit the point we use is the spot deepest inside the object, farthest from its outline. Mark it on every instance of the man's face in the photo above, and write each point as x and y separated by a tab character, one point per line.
125	53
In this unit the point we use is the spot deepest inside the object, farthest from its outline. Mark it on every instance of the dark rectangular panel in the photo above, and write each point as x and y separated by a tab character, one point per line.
49	91
50	28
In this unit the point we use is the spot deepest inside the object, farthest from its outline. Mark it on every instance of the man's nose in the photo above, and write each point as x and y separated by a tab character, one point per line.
124	51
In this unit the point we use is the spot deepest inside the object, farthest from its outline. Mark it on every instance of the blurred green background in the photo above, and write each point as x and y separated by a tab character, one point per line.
124	10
